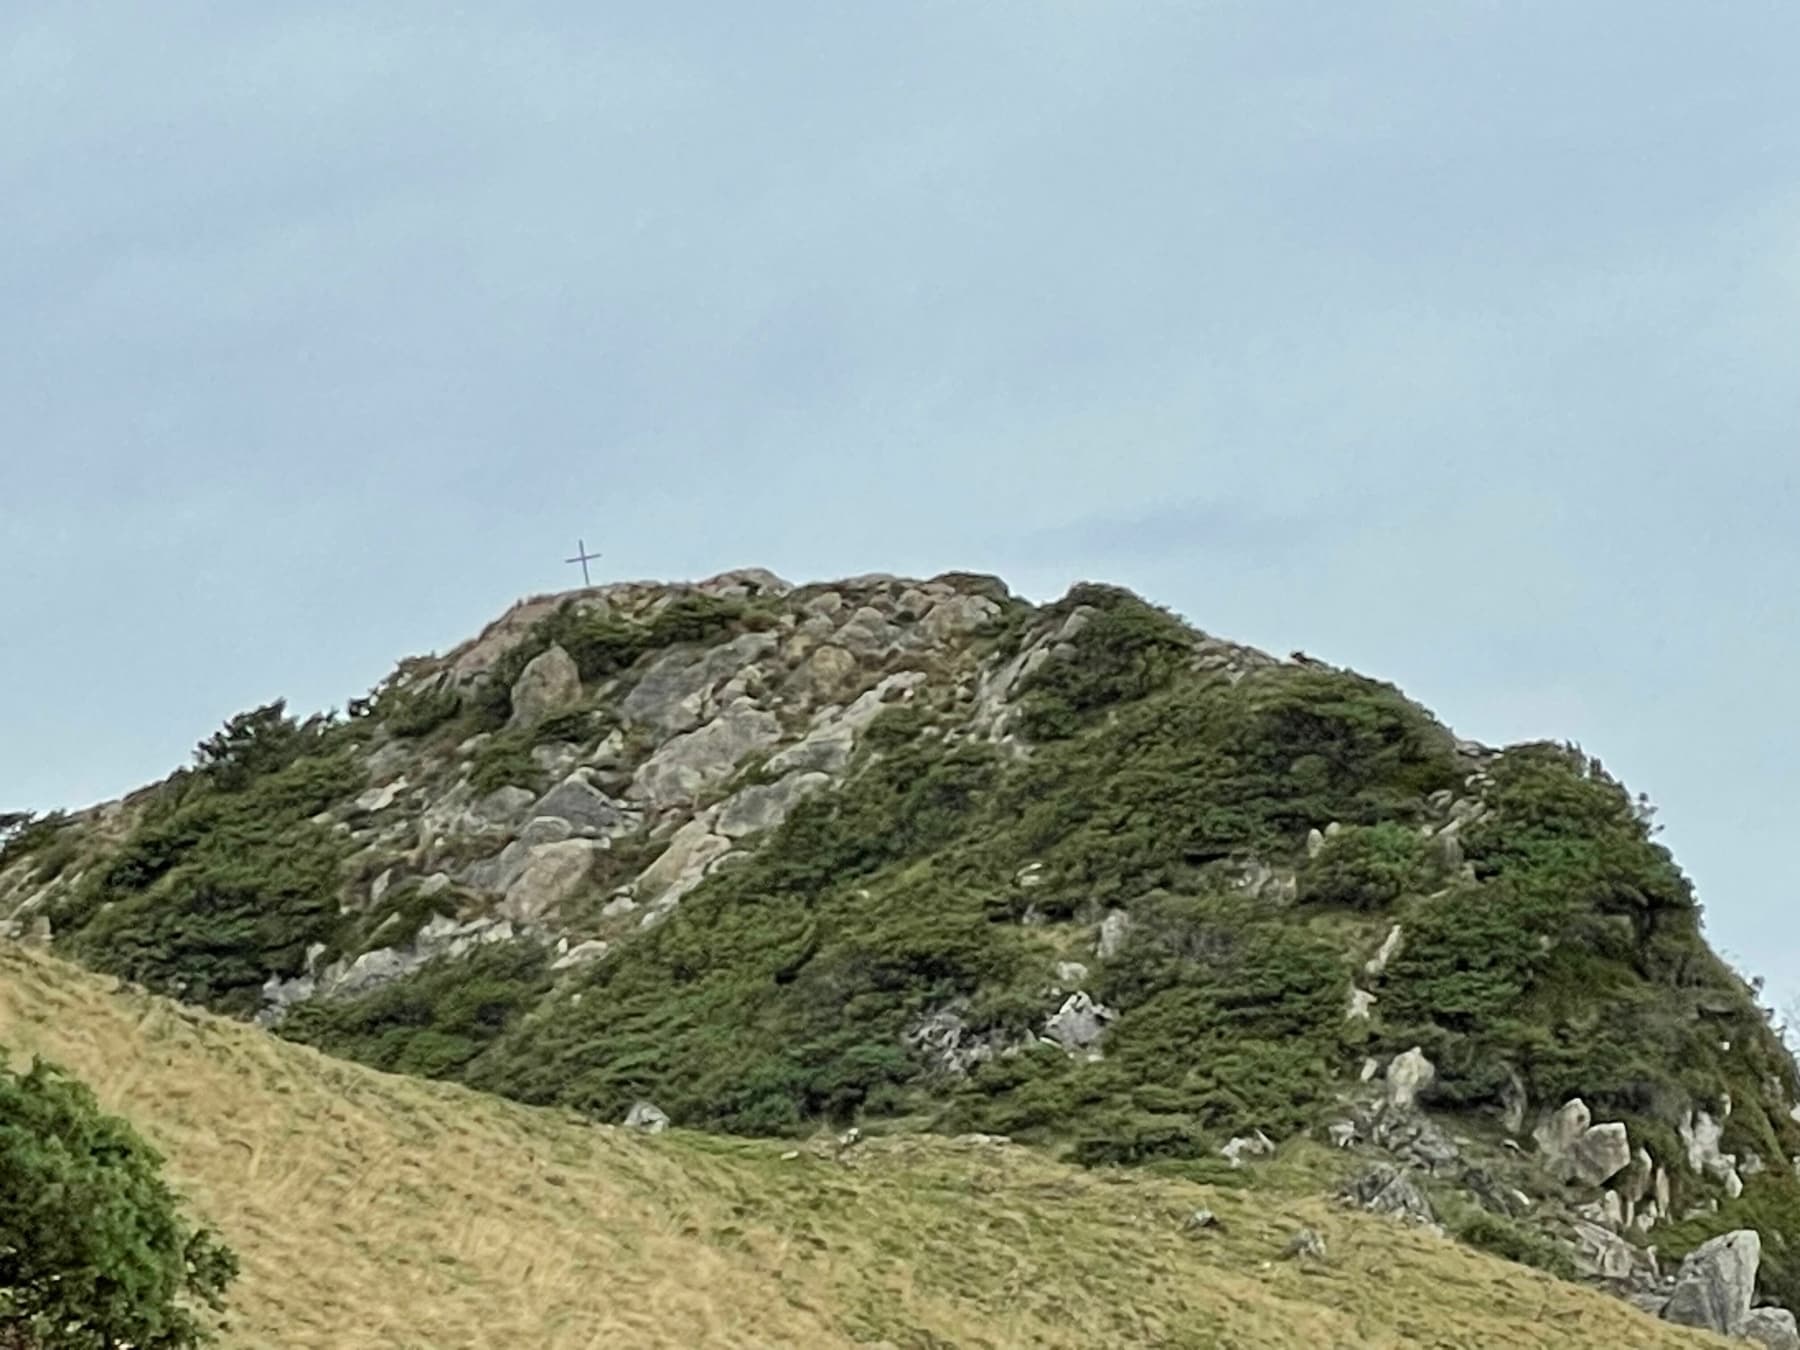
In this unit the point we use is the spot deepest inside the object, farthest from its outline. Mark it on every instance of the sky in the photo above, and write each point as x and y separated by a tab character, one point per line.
1458	343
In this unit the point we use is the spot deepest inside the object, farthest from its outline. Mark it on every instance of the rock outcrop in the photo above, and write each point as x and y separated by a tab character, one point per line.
1716	1283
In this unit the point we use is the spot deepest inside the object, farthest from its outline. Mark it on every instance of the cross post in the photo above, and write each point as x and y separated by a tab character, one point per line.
583	557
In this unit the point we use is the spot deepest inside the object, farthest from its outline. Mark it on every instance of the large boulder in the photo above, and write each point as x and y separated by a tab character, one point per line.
550	683
588	810
1079	1023
766	805
1774	1328
552	873
681	866
686	765
673	694
1715	1284
1407	1076
1574	1150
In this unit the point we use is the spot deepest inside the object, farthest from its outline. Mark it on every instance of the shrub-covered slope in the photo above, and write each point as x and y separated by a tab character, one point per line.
920	852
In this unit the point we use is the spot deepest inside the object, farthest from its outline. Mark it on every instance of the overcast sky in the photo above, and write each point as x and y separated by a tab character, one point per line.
1457	342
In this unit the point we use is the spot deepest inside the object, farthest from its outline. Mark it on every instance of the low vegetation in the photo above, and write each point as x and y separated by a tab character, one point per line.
371	1210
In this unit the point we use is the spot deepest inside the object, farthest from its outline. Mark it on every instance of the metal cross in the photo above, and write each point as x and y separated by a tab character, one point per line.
583	557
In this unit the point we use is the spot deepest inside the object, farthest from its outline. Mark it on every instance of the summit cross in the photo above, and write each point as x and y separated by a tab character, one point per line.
583	557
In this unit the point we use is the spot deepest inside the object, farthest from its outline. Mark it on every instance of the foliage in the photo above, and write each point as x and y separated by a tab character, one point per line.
505	761
1512	1240
228	880
256	743
417	712
93	1250
1125	650
435	1023
25	832
1366	867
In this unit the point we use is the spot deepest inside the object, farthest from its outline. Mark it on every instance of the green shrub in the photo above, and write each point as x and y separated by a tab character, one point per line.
1366	867
93	1249
227	879
25	832
417	713
1127	650
435	1022
505	761
1513	1241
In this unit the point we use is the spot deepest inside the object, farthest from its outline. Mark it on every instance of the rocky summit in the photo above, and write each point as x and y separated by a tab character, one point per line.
903	857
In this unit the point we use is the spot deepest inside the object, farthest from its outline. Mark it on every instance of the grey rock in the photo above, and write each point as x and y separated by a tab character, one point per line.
1385	1189
503	806
545	830
958	614
1700	1135
589	811
1514	1103
944	1039
765	806
1410	1136
1201	1219
1315	842
552	873
1636	1183
1361	1002
1600	1154
686	765
1601	1253
1774	1328
1575	1151
495	875
824	675
378	888
1070	973
1114	929
556	757
1408	1075
379	798
648	1117
550	683
1079	1023
868	633
579	955
1341	1133
672	695
1305	1245
1716	1282
682	865
1256	1145
1377	965
824	750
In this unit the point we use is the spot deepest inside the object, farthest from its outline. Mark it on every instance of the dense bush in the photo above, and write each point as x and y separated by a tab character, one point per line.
226	880
1366	867
435	1023
505	761
1126	650
93	1249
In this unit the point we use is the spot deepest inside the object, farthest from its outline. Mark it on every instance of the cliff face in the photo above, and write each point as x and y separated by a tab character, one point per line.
917	851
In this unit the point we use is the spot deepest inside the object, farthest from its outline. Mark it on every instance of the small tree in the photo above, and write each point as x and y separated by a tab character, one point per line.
93	1253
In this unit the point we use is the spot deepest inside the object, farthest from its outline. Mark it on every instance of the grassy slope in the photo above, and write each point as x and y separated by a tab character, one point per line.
373	1210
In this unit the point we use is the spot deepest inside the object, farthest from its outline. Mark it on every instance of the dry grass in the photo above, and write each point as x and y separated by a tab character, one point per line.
372	1210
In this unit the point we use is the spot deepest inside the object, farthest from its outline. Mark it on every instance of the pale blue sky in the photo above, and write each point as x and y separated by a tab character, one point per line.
1454	341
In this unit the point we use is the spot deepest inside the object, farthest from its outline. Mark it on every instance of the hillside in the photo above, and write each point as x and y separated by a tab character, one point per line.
922	857
373	1210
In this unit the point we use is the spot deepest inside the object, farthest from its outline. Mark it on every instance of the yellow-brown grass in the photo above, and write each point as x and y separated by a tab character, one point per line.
372	1210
